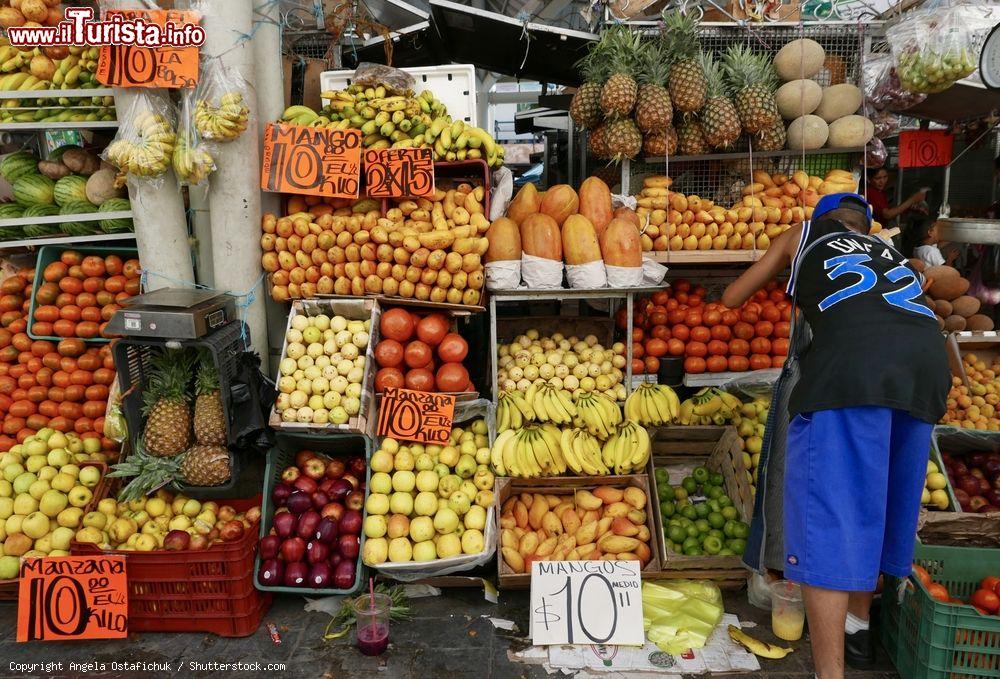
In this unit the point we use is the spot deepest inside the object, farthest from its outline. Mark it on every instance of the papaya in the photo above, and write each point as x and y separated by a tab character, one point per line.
579	240
559	202
629	214
595	203
505	241
620	244
540	237
525	203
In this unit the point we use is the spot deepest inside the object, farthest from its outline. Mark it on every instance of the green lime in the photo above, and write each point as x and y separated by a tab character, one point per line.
730	513
741	530
680	493
702	510
689	543
689	512
685	522
665	491
716	520
715	532
714	492
701	475
702	525
667	508
713	506
690	485
692	531
676	534
738	545
724	501
682	503
729	529
716	479
694	551
712	545
662	477
725	551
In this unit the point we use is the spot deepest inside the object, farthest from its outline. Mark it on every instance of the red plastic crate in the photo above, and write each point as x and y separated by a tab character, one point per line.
240	618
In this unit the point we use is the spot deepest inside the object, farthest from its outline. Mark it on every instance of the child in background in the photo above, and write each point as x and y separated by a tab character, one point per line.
928	251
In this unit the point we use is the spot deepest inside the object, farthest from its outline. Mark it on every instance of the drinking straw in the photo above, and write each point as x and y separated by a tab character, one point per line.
371	591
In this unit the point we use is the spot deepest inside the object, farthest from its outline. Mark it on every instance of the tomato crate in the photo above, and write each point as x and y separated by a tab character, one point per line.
51	253
282	455
207	590
931	639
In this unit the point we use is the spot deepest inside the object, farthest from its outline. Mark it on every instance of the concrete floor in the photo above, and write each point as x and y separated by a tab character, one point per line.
448	636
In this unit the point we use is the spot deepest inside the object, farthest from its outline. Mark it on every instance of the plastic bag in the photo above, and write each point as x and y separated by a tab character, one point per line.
882	88
886	124
876	153
193	158
680	615
144	145
368	74
221	110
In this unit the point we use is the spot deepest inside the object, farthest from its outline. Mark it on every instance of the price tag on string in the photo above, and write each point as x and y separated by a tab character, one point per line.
134	66
315	161
586	602
72	597
421	416
925	148
399	173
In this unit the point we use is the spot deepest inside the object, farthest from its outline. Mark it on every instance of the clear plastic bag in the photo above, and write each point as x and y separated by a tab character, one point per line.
882	87
193	158
886	124
144	145
222	102
368	74
876	153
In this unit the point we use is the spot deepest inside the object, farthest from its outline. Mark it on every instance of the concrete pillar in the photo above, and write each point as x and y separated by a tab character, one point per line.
234	188
161	231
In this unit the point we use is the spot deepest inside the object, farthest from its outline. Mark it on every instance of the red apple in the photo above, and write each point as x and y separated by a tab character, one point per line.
231	530
350	522
213	535
198	542
317	551
280	493
351	479
984	486
177	540
296	574
977	501
293	549
344	574
320	500
993	497
253	515
355	500
963	499
320	575
988	509
314	469
960	469
306	526
340	490
977	459
290	474
350	546
284	524
269	546
970	484
978	473
334	510
357	465
226	513
272	573
335	557
298	502
335	469
326	485
306	485
304	456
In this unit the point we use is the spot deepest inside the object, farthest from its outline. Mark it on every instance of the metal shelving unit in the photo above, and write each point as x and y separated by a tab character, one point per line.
699	380
58	219
64	240
41	127
705	257
54	96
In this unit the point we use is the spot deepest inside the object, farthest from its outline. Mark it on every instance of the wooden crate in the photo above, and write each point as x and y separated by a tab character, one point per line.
718	449
566	485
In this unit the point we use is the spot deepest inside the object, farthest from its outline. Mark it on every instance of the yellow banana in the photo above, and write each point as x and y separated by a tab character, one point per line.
756	646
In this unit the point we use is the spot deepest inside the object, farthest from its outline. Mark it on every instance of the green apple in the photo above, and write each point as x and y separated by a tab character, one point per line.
61	537
145	543
24	505
380	482
375	551
377	504
91	446
192	508
466	466
400	550
95	519
75	446
398	526
382	461
425	551
180	522
79	496
375	526
459	503
52	502
482	456
469	488
47	473
449	545
63	481
6	488
403	460
475	518
35	462
35	446
108	506
90	476
43	544
38	489
58	457
23	482
401	503
9	567
445	521
338	415
422	528
441	470
424	462
35	525
483	479
473	541
425	504
403	481
6	507
57	440
427	480
90	534
450	456
448	485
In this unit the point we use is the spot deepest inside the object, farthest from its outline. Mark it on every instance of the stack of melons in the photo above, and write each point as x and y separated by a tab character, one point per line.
945	289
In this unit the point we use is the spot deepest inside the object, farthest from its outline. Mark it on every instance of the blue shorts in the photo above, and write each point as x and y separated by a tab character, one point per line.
853	481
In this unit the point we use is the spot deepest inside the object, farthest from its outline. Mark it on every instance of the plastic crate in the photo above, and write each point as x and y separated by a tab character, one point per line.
283	455
930	639
50	253
208	590
132	361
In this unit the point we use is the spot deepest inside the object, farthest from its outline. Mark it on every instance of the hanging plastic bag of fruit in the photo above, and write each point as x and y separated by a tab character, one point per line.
144	145
934	48
882	87
396	82
194	158
222	102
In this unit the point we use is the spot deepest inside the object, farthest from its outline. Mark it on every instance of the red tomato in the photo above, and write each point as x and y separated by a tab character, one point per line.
680	285
420	379
88	361
652	365
432	329
938	591
718	348
661	297
730	317
716	364
417	354
64	328
638	351
389	353
760	362
694	300
672	304
739	347
777	361
782	329
656	348
763	328
986	599
681	332
682	297
452	377
697	349
676	317
675	347
93	266
777	295
694	365
922	575
738	363
396	324
638	366
722	332
389	377
692	318
700	333
779	347
743	330
990	582
452	349
638	334
771	313
660	332
750	316
712	318
760	345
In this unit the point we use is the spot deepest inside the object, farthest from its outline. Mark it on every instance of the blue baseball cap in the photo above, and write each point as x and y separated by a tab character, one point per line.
850	201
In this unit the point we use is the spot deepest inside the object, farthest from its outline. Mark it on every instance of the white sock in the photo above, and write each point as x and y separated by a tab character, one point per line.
854	624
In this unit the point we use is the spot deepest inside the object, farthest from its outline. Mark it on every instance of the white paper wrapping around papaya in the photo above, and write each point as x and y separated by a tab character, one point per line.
540	273
624	276
589	275
503	191
653	273
503	275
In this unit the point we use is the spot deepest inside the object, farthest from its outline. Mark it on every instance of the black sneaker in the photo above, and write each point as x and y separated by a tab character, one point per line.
859	652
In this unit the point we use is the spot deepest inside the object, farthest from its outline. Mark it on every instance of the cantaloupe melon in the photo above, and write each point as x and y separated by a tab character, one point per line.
504	237
807	132
943	308
525	203
540	237
954	323
979	323
802	58
595	203
579	241
850	132
838	101
798	98
966	306
559	202
620	244
949	287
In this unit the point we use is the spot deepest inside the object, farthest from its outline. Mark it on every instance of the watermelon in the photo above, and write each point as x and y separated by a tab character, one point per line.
36	230
34	189
11	211
70	189
79	207
116	225
17	165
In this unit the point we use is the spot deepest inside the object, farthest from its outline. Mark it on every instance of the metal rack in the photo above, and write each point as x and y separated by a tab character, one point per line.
65	240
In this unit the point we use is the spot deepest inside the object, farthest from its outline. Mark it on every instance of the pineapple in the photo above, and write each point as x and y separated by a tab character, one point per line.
660	143
623	139
753	79
168	415
691	139
209	416
687	80
598	142
653	111
585	108
205	465
772	139
146	471
719	122
619	93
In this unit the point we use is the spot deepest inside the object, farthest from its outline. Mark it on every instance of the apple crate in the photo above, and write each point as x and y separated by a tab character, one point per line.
282	455
351	308
680	450
507	487
9	588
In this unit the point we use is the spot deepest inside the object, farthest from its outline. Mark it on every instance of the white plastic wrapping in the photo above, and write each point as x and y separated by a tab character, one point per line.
589	275
653	273
618	200
504	275
539	273
502	192
624	276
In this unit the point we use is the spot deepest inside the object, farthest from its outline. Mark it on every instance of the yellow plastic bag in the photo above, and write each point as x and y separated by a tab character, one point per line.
680	614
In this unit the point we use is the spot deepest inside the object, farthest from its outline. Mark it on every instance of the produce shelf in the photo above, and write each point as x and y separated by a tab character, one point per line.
569	293
55	94
705	256
58	219
65	240
741	155
766	376
69	125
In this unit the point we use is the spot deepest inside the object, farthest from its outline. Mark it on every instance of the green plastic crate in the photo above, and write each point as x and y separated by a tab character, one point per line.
930	639
282	455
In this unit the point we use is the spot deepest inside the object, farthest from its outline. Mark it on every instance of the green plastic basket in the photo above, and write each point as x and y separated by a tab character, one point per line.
930	639
282	455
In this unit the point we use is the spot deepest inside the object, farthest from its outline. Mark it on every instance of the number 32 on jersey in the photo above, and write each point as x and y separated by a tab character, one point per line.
901	298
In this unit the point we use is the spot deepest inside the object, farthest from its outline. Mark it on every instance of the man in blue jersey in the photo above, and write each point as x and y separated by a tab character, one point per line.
873	382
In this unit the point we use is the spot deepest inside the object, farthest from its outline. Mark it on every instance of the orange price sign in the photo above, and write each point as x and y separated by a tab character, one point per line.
72	597
134	66
421	416
399	173
925	148
315	161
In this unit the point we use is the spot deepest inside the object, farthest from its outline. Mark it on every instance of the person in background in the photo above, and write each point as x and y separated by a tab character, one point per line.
878	198
926	234
856	454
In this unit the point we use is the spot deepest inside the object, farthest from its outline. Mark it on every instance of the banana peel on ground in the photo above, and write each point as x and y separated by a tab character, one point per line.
756	646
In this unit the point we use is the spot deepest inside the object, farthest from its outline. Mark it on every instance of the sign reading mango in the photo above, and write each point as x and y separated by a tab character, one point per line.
315	161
